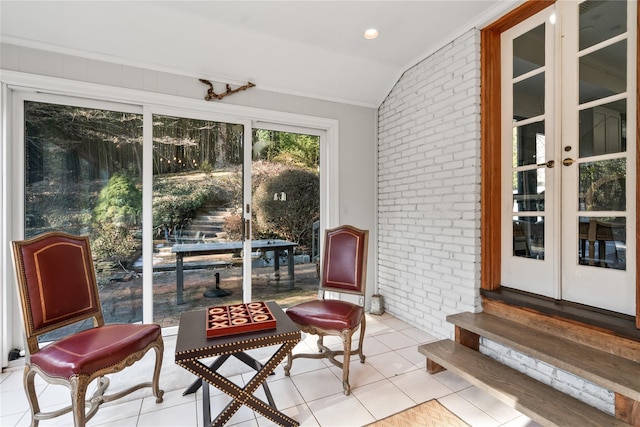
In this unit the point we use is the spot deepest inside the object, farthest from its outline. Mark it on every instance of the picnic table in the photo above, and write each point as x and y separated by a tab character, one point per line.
211	248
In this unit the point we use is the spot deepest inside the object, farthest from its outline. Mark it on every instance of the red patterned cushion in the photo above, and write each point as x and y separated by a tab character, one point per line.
94	349
327	314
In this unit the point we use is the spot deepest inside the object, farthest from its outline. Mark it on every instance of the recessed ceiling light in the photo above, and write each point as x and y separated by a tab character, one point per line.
371	34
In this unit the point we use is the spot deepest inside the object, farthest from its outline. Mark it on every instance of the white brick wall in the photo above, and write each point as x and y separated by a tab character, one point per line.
429	188
429	205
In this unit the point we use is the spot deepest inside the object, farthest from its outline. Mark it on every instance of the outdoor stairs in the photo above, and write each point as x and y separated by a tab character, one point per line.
207	225
538	401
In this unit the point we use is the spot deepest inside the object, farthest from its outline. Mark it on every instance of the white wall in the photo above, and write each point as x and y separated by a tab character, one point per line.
356	148
429	189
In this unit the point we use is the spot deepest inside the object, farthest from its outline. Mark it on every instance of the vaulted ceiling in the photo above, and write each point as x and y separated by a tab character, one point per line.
309	48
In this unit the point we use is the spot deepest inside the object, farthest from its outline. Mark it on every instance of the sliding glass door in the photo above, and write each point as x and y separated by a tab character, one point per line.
285	184
212	234
197	215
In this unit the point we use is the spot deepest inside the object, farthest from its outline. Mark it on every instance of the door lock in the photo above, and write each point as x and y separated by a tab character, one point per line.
568	161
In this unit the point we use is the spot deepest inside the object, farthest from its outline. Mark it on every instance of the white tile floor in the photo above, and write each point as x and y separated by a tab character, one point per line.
392	379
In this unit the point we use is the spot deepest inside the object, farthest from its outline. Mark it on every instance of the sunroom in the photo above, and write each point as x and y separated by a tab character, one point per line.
493	162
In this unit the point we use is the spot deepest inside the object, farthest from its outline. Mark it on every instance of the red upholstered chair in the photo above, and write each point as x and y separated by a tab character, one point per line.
344	271
57	286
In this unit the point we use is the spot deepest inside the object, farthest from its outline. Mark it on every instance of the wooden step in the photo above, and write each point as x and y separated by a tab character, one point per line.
604	369
538	401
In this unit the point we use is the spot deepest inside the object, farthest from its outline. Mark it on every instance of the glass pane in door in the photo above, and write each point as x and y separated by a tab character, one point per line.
197	208
528	237
603	72
83	176
528	51
603	129
528	98
600	21
603	185
528	190
529	144
286	213
603	242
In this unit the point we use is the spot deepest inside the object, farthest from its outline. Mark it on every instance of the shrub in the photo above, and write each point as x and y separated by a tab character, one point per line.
233	226
206	166
114	243
118	210
291	219
120	202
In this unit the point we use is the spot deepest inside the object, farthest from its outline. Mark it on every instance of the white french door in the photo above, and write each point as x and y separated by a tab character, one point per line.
598	221
568	183
530	172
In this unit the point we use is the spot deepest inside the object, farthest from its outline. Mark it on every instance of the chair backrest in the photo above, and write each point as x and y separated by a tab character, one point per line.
56	282
345	260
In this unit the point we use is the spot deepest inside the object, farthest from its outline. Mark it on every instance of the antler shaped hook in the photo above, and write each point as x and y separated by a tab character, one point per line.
211	94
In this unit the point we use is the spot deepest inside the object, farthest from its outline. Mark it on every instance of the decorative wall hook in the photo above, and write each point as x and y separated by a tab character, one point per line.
211	94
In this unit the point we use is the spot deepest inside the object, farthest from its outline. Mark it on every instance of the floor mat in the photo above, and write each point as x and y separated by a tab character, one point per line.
429	414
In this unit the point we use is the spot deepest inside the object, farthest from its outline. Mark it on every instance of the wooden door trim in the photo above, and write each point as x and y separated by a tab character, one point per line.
637	171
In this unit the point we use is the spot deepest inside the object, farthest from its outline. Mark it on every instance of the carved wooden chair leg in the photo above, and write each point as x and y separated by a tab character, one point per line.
78	400
101	387
159	349
97	398
346	340
287	366
32	397
361	341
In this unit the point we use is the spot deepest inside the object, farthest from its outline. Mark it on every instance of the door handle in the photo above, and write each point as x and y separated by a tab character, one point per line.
568	161
548	164
246	229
